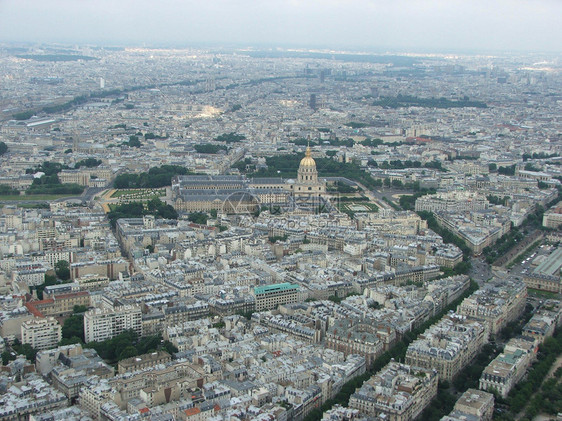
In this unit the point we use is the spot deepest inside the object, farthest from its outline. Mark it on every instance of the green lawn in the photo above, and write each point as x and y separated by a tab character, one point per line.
539	293
357	207
33	205
31	197
146	193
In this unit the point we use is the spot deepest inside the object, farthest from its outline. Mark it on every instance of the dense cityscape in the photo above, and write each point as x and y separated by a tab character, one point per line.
279	234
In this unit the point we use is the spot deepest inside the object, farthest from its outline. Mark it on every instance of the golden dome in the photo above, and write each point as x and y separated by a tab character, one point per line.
308	161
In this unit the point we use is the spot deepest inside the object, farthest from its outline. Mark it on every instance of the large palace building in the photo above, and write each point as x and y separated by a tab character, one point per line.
238	194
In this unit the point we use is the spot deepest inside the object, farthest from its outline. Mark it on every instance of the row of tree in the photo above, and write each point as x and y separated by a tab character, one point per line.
128	344
540	155
288	165
50	184
448	236
412	101
138	209
155	177
510	170
210	148
88	163
547	398
509	240
8	191
231	137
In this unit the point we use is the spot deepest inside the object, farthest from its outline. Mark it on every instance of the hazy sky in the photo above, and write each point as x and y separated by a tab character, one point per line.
417	25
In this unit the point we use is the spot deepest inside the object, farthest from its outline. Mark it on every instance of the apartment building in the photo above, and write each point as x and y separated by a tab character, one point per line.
268	297
399	392
497	303
358	338
59	304
105	323
144	361
448	346
456	201
41	333
474	405
504	372
552	218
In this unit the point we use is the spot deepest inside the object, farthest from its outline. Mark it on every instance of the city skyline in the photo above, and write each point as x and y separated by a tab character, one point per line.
427	26
289	210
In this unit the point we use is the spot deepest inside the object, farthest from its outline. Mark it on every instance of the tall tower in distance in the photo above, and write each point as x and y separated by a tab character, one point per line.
210	84
312	102
102	83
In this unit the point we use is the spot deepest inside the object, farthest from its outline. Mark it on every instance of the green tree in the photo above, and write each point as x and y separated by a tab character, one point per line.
79	309
7	357
507	170
49	280
62	269
154	178
8	191
3	148
26	350
198	217
88	163
24	115
134	142
542	185
70	341
531	167
169	347
149	344
209	148
231	137
73	327
128	352
275	238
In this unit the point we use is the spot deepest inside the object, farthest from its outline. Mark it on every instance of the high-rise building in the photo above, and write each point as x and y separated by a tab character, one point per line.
312	102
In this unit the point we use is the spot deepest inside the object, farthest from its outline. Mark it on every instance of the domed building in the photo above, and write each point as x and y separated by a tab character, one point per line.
238	194
307	183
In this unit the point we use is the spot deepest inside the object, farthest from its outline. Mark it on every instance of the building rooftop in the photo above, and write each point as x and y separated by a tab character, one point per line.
551	265
275	287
